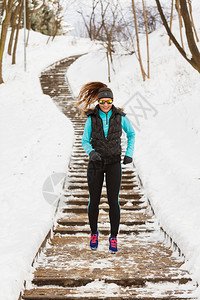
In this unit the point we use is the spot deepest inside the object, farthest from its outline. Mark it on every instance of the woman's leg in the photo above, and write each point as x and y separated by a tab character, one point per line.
95	176
113	183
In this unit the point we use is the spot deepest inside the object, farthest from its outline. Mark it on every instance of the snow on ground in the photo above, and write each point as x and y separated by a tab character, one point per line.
36	141
165	114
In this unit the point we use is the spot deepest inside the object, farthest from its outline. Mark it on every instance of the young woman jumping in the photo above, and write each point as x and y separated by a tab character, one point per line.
102	142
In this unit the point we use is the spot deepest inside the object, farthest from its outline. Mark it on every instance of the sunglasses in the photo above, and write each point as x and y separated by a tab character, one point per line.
104	101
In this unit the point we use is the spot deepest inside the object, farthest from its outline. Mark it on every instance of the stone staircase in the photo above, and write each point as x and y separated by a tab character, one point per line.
144	267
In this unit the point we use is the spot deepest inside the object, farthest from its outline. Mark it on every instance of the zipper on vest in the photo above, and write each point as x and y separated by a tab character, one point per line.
112	116
102	128
106	119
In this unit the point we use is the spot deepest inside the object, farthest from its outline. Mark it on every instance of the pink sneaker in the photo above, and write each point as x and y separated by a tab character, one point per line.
94	241
113	244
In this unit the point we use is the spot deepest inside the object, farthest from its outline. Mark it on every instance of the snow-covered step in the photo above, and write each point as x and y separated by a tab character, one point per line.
79	160
72	174
76	154
83	180
122	201
124	186
79	166
141	265
133	216
79	131
101	290
82	222
105	231
79	171
83	209
85	194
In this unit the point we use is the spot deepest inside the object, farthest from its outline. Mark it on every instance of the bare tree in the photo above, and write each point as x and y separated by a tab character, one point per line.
108	23
126	32
90	22
17	31
105	25
192	21
58	19
16	20
31	11
152	15
114	31
189	34
13	21
107	35
138	41
180	21
4	29
147	37
195	59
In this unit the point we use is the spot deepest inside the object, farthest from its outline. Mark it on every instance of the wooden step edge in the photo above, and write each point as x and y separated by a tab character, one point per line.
129	187
124	196
139	282
80	210
78	297
65	222
73	231
122	202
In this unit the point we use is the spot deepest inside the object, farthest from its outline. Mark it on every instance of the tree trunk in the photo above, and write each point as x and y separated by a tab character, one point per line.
191	16
29	13
29	30
27	16
13	25
147	38
108	61
17	33
28	34
4	30
172	37
171	19
189	33
180	22
138	42
11	39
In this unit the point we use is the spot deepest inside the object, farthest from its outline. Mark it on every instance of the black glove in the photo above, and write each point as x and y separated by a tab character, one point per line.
127	160
94	156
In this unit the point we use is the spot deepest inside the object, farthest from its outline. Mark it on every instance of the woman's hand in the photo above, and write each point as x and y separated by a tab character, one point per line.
94	156
127	160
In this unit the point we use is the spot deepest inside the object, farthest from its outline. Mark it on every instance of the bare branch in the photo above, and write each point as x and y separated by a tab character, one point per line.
191	16
189	32
172	37
171	18
180	21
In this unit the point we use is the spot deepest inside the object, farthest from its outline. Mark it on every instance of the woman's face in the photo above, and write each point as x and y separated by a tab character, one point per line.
106	106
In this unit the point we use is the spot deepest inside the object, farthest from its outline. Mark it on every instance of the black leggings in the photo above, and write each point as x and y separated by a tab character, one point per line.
95	177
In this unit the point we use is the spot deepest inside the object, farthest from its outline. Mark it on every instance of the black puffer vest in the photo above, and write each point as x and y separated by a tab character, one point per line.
110	147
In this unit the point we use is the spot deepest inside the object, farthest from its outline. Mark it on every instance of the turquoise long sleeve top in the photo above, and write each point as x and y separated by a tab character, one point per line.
126	126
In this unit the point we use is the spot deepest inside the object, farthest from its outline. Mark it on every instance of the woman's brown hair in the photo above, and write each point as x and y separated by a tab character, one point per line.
88	95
